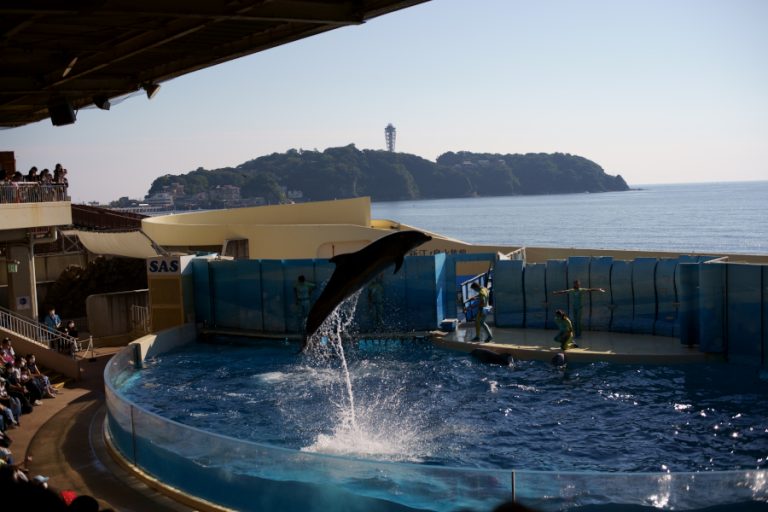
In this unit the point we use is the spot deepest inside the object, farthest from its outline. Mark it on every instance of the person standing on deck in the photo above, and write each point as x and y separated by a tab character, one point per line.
576	295
483	301
52	320
565	330
302	291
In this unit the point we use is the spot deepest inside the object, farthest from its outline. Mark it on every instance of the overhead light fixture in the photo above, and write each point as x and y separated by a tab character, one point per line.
101	102
69	67
151	89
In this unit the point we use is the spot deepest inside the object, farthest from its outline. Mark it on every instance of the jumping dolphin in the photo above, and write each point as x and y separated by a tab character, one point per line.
489	356
354	270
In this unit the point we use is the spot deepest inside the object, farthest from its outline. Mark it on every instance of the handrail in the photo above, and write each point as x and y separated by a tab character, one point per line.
22	192
484	279
36	332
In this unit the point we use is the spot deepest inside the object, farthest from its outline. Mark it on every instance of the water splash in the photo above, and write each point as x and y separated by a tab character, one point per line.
328	343
375	428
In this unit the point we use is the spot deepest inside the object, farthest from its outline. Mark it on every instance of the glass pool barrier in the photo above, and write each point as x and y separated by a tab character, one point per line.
246	475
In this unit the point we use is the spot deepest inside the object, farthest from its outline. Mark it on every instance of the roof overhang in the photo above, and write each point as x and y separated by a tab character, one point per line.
57	57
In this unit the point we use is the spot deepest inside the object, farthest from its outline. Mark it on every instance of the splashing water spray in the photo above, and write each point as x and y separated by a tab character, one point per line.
367	434
330	336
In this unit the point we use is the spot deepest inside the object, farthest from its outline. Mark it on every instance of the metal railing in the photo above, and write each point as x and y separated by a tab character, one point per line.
38	333
23	192
467	295
140	319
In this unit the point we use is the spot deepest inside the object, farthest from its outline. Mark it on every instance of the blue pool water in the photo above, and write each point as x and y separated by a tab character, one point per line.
415	403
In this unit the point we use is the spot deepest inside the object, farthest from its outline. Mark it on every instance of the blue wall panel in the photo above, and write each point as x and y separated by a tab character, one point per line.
225	300
666	298
509	305
395	306
578	270
441	292
687	282
273	295
450	285
249	295
622	296
600	277
644	294
534	279
712	278
202	283
421	313
743	312
557	279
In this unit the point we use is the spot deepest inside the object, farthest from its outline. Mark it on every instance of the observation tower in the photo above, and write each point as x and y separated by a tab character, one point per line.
389	134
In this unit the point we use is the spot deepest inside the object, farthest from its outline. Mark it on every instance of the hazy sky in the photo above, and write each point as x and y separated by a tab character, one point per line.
659	91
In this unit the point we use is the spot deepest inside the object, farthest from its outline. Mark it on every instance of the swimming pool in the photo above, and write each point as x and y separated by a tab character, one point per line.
420	409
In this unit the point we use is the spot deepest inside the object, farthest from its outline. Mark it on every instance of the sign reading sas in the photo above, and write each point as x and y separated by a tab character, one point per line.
164	266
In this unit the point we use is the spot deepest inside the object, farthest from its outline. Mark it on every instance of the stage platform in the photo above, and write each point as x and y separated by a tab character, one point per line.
539	344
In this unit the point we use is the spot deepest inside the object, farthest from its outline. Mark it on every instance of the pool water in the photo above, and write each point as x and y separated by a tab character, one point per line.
416	403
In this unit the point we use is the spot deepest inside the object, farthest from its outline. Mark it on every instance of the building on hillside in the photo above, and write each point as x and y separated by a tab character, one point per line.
225	194
162	200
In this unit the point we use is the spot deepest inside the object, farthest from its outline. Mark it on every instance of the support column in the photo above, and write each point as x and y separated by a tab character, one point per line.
22	289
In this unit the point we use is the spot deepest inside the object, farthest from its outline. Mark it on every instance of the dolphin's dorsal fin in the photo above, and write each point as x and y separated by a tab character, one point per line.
398	263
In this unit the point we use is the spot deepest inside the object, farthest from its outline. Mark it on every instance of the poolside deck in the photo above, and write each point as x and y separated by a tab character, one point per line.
538	344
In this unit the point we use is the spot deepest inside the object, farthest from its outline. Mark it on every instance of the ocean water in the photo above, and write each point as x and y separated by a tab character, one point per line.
703	217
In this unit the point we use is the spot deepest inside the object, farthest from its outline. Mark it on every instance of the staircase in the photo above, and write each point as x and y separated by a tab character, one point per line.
53	350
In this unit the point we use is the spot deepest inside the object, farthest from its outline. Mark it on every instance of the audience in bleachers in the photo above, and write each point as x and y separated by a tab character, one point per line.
22	386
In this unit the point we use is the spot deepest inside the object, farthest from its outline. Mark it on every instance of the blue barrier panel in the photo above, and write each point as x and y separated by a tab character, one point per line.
712	307
578	270
441	292
225	297
294	315
621	296
509	301
600	277
249	295
534	280
322	272
202	283
451	286
743	313
556	279
687	282
395	290
421	313
273	295
644	294
666	298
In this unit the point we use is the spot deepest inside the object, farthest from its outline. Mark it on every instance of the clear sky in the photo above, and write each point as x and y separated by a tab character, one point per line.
659	91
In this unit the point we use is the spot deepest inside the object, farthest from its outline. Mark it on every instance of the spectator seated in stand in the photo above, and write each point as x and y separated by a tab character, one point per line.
69	346
42	379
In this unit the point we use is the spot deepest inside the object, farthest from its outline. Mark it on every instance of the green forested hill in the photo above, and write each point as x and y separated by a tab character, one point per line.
384	176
